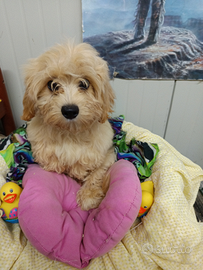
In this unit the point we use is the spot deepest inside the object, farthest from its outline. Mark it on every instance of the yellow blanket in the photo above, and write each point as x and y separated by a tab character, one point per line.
169	237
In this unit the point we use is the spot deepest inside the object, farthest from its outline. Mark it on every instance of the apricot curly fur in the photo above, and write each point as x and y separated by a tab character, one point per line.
80	147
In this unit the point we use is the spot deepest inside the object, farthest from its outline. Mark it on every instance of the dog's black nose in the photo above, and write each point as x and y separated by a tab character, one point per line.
70	111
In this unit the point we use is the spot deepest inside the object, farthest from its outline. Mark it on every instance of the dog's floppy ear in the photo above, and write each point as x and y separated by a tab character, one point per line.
31	80
28	107
108	97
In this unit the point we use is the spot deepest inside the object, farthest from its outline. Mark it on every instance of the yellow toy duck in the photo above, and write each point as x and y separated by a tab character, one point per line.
147	197
10	195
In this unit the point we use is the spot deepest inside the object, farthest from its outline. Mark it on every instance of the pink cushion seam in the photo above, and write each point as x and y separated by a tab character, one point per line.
110	236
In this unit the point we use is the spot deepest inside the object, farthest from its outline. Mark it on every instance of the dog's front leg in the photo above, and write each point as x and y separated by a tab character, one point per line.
95	185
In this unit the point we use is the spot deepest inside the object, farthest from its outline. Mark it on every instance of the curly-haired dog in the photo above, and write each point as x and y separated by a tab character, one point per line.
67	100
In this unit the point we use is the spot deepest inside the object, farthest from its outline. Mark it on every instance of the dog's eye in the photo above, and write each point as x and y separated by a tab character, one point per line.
53	86
84	84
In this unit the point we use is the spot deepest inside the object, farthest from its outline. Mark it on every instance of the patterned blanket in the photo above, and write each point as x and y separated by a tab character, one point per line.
16	151
141	154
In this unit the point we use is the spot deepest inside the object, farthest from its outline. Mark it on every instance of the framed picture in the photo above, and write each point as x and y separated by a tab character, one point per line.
147	39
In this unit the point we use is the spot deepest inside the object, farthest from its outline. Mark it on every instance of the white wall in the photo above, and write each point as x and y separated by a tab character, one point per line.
170	109
27	29
185	126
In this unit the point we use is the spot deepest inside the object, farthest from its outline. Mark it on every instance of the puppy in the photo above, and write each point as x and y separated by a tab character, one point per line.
67	102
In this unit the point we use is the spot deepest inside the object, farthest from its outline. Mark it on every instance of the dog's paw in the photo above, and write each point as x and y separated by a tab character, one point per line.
89	199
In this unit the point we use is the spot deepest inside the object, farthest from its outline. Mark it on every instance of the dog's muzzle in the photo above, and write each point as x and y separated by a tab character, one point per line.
70	111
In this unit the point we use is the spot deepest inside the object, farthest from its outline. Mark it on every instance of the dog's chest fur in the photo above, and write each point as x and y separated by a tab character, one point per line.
74	154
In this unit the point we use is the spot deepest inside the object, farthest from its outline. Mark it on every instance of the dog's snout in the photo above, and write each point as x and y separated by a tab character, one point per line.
70	111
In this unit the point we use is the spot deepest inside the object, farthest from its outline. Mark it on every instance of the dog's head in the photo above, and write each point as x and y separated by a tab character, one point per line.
68	86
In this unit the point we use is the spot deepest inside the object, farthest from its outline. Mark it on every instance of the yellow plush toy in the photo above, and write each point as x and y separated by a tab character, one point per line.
10	195
147	197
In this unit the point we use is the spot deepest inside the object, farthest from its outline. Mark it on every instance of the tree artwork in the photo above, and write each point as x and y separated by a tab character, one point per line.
154	39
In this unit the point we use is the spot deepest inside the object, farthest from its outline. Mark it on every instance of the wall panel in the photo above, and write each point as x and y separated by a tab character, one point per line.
144	103
185	126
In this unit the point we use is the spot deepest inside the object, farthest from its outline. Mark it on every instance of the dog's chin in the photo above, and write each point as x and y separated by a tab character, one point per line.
74	126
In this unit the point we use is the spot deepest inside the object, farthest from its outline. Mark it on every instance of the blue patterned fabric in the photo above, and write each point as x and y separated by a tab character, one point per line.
16	151
141	154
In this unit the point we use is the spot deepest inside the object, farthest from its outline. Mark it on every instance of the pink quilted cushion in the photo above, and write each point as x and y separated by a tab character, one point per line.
54	224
